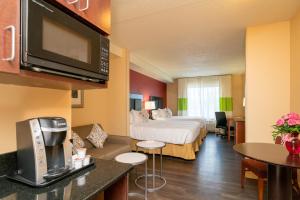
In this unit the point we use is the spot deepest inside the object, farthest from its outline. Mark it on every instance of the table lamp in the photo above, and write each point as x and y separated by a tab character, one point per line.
150	105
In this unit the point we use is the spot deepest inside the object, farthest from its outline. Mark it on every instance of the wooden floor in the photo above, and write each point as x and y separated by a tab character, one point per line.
215	174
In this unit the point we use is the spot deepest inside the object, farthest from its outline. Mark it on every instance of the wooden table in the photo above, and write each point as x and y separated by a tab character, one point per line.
280	165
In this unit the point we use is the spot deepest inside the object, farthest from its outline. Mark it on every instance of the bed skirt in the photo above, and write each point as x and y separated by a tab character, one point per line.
185	151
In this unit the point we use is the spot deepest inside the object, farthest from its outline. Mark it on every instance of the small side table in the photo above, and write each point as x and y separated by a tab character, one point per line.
152	145
135	159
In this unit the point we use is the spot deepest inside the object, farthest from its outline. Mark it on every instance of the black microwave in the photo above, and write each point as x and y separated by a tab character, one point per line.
53	41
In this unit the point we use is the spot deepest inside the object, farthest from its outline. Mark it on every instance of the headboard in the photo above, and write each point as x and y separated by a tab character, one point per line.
159	102
136	101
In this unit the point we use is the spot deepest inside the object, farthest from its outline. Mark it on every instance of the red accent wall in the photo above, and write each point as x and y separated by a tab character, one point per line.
141	84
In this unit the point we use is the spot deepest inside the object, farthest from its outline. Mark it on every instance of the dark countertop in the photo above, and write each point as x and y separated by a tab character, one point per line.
80	186
274	154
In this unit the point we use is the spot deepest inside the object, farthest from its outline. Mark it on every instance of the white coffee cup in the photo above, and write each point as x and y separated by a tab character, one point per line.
74	157
78	163
81	152
86	160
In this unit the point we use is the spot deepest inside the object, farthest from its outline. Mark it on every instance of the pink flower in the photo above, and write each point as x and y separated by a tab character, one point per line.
293	116
286	117
292	122
280	122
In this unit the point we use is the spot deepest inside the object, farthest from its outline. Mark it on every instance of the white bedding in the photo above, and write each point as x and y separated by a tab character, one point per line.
169	131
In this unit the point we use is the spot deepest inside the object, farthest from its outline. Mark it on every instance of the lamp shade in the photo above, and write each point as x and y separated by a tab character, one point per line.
149	105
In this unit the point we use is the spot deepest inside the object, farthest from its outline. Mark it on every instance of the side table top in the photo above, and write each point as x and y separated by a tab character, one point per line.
131	158
269	153
151	144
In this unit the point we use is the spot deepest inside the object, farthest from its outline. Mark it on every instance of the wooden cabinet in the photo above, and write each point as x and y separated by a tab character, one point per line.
9	34
10	72
97	12
239	131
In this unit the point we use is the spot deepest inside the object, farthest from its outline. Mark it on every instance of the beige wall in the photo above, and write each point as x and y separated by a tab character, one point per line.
19	103
172	95
295	63
238	93
267	78
109	107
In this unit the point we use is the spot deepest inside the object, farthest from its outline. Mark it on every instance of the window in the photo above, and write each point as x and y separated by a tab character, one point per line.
203	101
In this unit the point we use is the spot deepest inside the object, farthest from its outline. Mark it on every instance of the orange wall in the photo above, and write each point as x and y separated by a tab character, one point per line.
267	78
295	63
109	107
19	103
238	93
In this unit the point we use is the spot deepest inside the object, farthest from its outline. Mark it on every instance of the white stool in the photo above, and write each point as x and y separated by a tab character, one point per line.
135	159
152	145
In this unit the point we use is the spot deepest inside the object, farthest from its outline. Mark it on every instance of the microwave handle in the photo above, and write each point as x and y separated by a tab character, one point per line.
87	5
13	43
72	2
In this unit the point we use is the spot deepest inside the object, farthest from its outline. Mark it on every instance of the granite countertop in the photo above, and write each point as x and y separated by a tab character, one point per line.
80	186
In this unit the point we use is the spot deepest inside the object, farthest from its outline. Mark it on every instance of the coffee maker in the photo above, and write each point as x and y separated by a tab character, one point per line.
43	154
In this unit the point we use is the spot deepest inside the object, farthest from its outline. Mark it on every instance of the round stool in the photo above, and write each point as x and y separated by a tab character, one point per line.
135	159
152	145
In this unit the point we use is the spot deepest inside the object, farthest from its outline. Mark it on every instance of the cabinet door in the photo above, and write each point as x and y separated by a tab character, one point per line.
97	12
71	5
10	36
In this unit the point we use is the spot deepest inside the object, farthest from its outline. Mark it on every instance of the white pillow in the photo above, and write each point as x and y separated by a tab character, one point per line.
169	112
138	117
163	113
145	114
155	114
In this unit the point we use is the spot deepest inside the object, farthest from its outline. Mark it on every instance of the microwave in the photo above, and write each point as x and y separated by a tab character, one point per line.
55	42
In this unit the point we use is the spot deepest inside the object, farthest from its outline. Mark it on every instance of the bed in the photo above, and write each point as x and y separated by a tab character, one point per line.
182	138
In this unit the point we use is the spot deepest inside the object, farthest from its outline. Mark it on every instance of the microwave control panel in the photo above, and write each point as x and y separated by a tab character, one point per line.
104	55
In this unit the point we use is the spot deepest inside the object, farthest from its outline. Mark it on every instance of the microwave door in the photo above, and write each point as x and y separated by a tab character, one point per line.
55	40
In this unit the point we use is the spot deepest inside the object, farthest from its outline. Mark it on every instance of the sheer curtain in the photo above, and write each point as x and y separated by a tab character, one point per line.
203	97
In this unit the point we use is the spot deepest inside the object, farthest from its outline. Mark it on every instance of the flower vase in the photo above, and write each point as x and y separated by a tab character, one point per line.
293	144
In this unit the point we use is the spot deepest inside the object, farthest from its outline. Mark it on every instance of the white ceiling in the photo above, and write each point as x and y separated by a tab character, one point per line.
184	38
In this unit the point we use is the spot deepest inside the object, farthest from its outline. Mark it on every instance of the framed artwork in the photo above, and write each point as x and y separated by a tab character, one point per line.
77	98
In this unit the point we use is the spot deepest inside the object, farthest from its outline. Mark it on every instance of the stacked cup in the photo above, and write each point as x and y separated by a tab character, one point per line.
80	159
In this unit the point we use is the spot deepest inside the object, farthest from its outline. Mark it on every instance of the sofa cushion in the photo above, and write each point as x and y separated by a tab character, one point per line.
83	132
110	151
97	136
77	142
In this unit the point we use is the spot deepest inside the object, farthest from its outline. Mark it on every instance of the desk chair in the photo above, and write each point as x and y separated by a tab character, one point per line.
221	123
260	169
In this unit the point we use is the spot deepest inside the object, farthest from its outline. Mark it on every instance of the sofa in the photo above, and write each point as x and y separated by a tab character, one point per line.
113	146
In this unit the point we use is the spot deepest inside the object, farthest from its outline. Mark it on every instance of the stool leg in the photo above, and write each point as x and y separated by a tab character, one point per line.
161	162
146	181
153	170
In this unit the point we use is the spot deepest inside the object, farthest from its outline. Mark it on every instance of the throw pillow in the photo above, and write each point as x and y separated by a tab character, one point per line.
137	117
145	115
77	142
169	112
97	136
